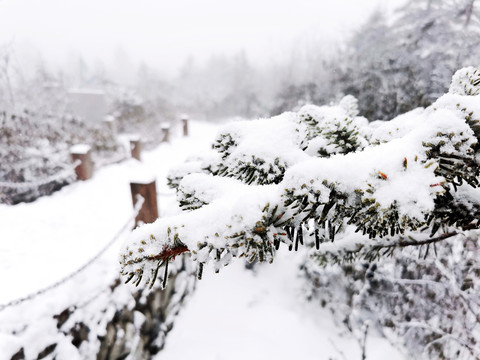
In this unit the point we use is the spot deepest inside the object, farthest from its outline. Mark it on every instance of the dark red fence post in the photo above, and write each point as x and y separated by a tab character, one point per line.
166	132
82	153
185	124
149	211
135	148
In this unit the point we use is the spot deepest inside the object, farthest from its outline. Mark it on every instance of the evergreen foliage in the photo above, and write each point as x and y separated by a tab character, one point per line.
417	175
392	65
394	68
424	302
387	213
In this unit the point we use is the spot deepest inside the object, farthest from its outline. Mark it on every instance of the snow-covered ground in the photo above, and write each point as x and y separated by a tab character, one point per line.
234	315
53	236
261	314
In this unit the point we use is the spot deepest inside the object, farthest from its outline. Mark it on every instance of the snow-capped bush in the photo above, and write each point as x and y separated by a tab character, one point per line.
35	147
374	188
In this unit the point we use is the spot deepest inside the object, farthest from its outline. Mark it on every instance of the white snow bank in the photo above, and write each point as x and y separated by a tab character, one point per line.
80	149
261	315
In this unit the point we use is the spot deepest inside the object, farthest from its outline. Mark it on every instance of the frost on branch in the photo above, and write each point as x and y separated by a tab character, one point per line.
320	175
228	227
466	81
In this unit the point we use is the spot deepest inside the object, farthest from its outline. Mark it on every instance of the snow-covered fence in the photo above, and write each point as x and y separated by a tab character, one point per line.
135	147
126	226
110	161
185	124
14	192
165	132
82	167
109	323
82	152
147	191
110	124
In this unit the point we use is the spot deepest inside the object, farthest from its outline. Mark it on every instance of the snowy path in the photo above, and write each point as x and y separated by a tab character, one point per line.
239	314
43	241
234	315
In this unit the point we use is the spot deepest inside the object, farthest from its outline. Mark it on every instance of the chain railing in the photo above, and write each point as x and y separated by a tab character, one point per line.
69	170
112	160
62	281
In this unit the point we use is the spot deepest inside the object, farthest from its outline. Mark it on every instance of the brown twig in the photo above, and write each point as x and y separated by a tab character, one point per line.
169	253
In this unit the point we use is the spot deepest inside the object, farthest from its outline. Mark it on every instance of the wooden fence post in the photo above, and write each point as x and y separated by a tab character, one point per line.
110	124
149	211
82	152
166	132
185	124
135	147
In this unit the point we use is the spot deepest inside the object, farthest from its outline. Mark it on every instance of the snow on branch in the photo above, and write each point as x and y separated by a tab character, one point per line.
322	175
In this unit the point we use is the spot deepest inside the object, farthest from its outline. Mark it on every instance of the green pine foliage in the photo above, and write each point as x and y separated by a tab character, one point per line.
367	199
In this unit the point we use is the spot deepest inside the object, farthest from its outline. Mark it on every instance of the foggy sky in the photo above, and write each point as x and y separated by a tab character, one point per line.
163	33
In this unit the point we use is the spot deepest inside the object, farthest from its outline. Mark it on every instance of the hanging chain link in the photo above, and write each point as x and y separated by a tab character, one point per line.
138	206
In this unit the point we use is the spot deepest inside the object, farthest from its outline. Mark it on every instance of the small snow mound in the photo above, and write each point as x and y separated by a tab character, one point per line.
466	81
350	104
80	149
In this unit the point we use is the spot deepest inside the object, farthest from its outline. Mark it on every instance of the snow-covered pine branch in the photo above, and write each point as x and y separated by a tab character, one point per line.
321	175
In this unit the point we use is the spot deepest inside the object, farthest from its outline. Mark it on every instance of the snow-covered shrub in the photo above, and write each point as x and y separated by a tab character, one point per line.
36	147
106	322
374	188
395	66
135	114
425	301
391	64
